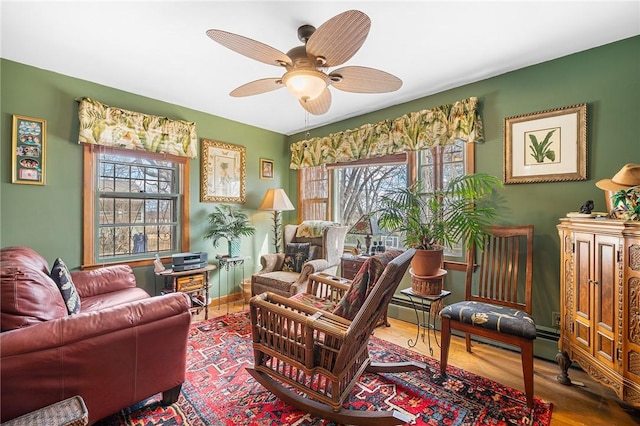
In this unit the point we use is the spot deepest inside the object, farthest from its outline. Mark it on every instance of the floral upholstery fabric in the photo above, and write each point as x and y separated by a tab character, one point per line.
363	282
312	228
492	317
314	301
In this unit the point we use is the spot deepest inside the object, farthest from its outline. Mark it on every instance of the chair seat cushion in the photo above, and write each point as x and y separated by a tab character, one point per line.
279	280
492	317
314	301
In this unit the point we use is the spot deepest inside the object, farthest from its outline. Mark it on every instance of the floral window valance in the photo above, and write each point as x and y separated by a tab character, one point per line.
104	125
441	125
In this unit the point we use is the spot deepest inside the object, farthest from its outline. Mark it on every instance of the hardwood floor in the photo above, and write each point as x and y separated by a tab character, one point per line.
589	405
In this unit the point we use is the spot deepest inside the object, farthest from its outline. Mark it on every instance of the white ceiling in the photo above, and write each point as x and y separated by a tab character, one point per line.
159	48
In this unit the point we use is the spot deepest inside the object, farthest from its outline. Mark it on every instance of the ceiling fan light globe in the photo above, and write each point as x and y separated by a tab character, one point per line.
305	84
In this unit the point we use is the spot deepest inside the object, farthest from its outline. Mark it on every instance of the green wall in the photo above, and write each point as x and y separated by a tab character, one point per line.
607	79
49	218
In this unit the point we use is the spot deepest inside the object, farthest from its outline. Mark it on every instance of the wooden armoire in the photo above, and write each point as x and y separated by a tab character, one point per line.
600	302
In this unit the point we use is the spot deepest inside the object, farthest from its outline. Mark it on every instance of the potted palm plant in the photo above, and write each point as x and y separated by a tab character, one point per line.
229	223
429	221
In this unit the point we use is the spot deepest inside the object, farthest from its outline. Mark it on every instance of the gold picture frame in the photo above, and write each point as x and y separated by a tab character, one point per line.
546	146
28	150
222	172
266	168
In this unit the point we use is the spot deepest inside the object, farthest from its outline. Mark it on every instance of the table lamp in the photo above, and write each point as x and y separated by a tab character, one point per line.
366	226
276	200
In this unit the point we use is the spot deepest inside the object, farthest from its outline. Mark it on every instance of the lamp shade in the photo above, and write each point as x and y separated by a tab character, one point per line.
276	200
366	225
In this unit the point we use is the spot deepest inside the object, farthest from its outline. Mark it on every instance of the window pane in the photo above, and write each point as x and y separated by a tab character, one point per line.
438	166
358	191
314	193
136	210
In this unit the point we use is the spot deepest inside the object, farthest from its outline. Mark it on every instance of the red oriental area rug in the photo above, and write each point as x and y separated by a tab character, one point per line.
218	390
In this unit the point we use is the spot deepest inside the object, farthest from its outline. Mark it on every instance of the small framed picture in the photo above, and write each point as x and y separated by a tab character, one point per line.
28	150
266	169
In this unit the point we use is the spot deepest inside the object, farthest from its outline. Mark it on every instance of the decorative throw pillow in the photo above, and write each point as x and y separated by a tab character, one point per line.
363	282
294	256
62	277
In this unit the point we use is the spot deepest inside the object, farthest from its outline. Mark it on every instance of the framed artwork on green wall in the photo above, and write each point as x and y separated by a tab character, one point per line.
222	172
546	146
266	169
28	150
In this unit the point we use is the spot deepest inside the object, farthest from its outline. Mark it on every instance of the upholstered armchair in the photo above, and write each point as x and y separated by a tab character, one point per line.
287	273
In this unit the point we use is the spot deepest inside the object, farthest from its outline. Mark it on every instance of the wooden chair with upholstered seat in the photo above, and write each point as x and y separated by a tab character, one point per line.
319	353
497	305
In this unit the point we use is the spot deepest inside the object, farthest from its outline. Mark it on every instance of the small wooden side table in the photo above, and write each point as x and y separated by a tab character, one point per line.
350	265
194	282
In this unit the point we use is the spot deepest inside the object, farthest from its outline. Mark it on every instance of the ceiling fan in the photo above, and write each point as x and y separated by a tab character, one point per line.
306	77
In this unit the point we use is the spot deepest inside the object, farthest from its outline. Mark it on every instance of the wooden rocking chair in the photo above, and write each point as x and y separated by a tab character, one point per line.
320	354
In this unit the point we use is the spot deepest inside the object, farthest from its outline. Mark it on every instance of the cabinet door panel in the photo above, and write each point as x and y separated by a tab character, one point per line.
584	291
605	285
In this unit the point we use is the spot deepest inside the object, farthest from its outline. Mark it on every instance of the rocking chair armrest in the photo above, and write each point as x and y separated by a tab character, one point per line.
328	286
315	318
330	324
276	302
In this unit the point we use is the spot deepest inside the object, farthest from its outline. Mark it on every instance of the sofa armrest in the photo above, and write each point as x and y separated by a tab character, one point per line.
311	267
86	325
271	262
103	280
133	351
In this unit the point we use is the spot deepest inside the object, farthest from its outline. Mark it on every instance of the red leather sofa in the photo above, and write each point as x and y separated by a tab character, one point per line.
122	347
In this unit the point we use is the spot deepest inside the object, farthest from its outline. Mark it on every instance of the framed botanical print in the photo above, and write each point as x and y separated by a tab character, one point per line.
222	172
546	146
28	150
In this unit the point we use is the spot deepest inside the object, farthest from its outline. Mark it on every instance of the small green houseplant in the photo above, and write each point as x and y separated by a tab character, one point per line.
229	223
428	221
626	203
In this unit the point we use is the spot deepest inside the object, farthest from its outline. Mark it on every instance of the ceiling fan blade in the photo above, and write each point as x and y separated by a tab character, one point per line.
338	39
319	105
250	48
257	87
364	80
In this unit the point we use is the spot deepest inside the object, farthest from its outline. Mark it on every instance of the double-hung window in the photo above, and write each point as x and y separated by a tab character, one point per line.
136	205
